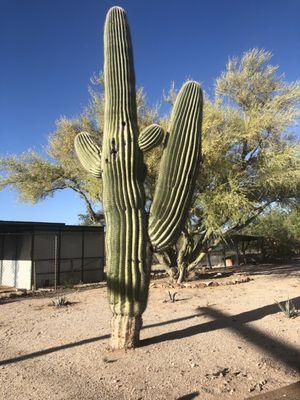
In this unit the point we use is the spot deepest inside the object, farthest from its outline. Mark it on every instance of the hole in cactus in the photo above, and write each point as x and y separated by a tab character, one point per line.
113	150
123	123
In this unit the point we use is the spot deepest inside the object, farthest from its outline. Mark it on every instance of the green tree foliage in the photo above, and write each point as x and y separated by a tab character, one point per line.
36	176
281	229
251	160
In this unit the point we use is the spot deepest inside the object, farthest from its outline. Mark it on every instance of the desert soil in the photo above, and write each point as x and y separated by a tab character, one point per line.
217	342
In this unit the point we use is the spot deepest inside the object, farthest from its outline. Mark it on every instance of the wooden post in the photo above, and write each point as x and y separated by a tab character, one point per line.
237	254
224	253
245	245
208	260
262	250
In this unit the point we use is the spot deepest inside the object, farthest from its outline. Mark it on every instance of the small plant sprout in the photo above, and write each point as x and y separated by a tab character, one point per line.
60	301
172	296
288	308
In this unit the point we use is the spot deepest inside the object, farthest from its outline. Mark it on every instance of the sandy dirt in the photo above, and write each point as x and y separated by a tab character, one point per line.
223	342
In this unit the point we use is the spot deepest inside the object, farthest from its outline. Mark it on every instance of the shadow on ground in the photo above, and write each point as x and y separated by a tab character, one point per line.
189	396
83	342
289	269
290	392
278	350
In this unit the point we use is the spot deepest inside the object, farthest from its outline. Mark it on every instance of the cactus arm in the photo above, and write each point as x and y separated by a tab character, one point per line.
178	168
123	191
151	137
88	153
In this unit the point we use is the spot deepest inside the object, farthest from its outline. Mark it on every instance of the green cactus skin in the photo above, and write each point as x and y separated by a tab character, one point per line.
151	137
123	172
123	191
89	153
178	168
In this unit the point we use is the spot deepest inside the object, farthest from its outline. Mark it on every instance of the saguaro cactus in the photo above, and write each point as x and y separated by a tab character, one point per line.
128	244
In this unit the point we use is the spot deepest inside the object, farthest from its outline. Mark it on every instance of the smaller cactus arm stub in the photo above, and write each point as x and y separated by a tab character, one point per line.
151	137
178	168
88	153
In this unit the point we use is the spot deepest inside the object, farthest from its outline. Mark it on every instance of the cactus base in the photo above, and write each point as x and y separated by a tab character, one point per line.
125	331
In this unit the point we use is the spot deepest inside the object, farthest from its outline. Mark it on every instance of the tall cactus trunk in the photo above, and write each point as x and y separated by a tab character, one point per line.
120	163
123	174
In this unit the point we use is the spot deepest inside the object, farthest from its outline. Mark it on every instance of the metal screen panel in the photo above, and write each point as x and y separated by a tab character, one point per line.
10	247
71	244
68	257
93	244
44	246
56	257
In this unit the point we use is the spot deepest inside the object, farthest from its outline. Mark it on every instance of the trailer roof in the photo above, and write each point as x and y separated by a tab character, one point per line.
21	226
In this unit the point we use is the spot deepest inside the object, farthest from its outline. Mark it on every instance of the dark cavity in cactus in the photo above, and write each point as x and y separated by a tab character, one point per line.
129	242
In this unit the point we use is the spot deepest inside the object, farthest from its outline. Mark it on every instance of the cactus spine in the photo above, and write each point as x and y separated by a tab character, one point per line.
123	174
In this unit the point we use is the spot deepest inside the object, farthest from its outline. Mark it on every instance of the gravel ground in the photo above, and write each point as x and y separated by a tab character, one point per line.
224	342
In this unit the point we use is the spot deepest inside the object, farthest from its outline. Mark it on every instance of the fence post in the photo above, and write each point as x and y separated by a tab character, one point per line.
224	253
208	260
237	253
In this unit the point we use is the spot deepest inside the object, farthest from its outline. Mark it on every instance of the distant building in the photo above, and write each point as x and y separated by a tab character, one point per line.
234	250
38	254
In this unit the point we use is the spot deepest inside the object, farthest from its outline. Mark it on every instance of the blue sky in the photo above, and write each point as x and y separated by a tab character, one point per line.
51	48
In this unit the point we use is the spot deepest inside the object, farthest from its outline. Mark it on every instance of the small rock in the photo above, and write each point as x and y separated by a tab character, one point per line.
258	386
211	283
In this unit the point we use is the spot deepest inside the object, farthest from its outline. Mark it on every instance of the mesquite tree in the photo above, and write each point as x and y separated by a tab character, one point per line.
130	237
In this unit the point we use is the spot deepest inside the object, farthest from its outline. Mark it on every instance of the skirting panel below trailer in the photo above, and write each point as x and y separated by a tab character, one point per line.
16	273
